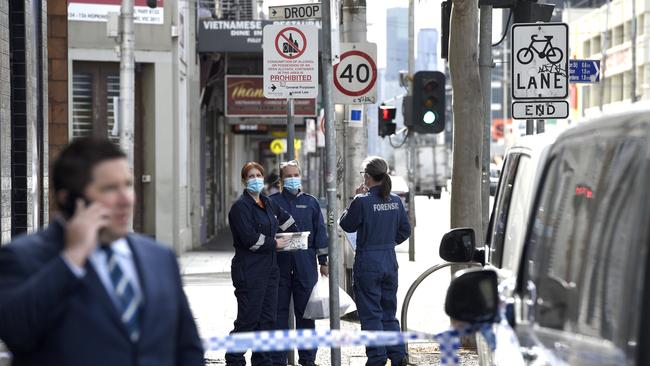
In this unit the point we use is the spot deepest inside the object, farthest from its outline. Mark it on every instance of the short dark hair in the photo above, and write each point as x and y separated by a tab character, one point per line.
72	169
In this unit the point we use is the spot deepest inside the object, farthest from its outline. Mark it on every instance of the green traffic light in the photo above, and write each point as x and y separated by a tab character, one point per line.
429	117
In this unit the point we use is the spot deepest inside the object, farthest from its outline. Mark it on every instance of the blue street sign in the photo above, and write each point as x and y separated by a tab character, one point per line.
584	71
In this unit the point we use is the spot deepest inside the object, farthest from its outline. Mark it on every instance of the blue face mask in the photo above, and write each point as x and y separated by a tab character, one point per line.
255	185
293	184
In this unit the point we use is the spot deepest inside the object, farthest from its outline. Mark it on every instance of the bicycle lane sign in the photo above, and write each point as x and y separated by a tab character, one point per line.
539	60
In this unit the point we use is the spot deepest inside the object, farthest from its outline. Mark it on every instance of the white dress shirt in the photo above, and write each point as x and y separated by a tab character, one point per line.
99	262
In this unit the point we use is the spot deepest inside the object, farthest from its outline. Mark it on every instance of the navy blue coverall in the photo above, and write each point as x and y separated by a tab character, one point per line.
254	268
380	225
298	269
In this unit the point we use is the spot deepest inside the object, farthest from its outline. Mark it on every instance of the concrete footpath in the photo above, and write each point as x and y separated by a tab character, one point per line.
208	285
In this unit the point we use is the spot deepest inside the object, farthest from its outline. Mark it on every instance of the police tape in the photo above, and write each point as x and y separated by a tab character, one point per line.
285	340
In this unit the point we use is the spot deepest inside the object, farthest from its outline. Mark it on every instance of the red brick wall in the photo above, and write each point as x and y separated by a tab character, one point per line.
57	51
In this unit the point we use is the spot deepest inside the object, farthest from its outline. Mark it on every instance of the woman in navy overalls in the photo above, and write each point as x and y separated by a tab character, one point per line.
380	221
254	221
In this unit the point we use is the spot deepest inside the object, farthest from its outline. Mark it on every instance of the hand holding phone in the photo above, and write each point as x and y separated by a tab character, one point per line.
361	189
82	230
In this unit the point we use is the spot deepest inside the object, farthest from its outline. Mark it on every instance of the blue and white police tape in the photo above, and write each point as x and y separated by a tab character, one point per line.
284	340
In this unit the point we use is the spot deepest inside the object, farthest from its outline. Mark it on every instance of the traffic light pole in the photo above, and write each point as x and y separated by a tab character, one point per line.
330	175
412	161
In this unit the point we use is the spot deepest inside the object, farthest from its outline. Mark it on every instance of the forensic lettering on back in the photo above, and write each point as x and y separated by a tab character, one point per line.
385	206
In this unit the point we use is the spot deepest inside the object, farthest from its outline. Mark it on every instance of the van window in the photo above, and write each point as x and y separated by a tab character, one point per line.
501	206
518	214
587	249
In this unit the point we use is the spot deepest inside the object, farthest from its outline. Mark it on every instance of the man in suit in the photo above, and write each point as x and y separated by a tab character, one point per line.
85	290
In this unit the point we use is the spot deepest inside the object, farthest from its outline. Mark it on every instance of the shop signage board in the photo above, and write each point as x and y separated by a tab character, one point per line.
245	98
97	10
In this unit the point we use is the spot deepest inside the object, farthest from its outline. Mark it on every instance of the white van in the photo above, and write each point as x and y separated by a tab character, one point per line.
581	294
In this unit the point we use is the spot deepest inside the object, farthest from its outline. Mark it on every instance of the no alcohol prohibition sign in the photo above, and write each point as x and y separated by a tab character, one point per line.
355	76
290	43
290	61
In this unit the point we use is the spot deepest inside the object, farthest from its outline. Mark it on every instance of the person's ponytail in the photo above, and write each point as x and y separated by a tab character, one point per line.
385	187
377	168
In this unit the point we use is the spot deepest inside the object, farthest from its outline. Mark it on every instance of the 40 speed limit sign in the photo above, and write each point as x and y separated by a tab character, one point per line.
355	76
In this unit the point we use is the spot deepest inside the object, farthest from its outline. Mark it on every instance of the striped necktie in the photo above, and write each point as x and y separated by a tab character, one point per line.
129	302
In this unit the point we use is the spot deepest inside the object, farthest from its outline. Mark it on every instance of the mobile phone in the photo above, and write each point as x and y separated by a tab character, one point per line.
70	203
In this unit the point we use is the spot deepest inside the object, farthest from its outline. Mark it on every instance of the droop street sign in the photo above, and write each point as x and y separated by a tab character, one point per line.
293	12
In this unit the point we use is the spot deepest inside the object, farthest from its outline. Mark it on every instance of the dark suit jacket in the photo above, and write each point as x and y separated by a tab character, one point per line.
50	317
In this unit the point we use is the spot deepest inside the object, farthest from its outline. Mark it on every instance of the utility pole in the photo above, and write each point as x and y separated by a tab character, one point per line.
485	68
412	154
633	39
127	79
468	117
355	136
330	173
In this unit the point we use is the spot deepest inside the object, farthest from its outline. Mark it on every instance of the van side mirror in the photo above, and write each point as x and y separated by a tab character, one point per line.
473	296
458	245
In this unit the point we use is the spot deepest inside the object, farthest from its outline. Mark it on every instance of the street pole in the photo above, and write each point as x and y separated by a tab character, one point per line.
530	127
291	130
412	160
485	70
330	174
355	136
633	39
127	80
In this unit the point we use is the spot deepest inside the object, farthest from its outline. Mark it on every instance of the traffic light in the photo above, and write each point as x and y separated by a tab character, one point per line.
386	116
428	106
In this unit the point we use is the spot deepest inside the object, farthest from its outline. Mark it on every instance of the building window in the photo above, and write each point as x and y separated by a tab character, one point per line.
640	79
586	48
627	85
596	44
82	105
95	93
618	35
627	30
607	91
594	95
640	24
616	87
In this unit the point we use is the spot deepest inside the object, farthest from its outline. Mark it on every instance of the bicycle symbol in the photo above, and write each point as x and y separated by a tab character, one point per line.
552	54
